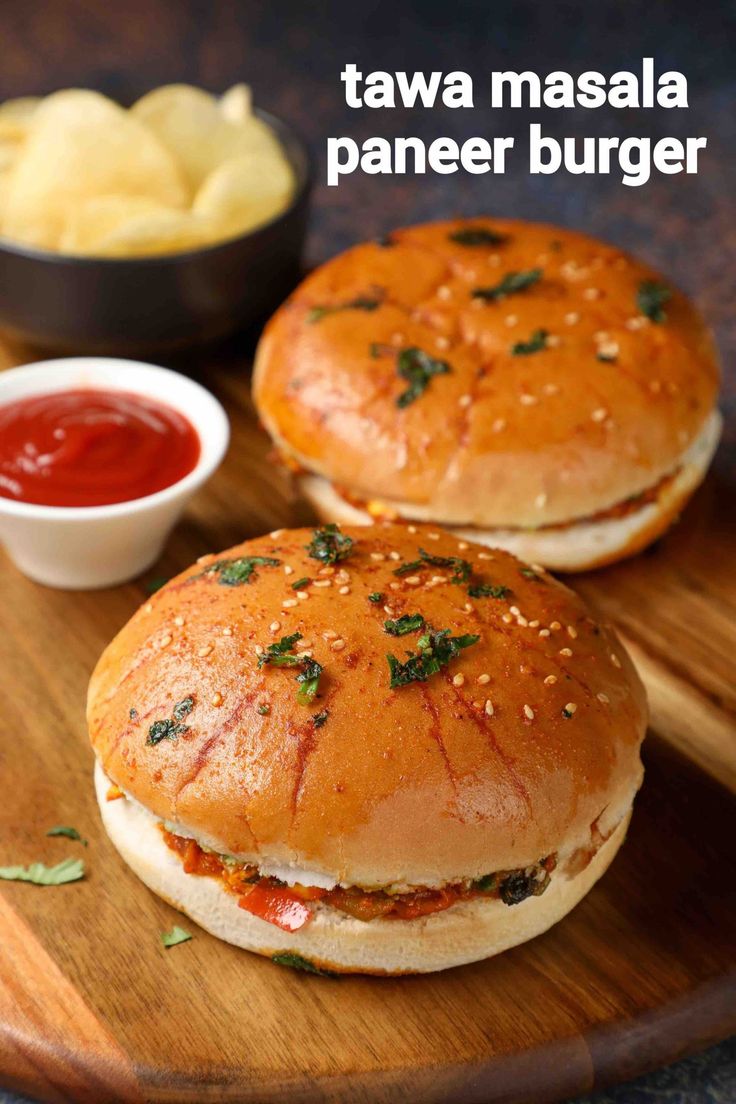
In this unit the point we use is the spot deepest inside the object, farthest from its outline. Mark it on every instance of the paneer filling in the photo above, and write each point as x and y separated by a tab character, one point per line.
626	508
290	907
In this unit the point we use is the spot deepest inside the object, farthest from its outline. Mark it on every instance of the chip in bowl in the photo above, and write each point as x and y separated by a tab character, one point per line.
132	226
245	191
180	170
193	127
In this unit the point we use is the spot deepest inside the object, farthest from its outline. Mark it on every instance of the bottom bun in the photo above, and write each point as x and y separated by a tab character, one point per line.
579	546
466	932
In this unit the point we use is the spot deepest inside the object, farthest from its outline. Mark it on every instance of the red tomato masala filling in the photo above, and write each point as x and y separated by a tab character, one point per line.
289	907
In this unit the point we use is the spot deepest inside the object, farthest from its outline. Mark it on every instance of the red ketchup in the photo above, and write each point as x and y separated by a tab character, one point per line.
92	448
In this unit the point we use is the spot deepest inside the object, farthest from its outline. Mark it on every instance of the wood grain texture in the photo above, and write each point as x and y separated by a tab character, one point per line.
639	973
50	1039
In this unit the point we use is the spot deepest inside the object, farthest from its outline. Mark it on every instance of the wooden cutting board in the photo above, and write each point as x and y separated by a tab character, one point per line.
92	1008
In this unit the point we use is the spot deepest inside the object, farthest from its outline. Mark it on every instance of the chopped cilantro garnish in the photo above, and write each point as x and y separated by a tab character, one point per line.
477	235
488	590
69	870
171	728
320	718
69	833
183	708
417	368
512	283
300	583
375	597
280	654
461	569
175	936
264	709
329	545
361	302
462	573
535	344
407	623
410	566
486	884
530	573
296	962
651	299
155	584
309	679
566	713
436	650
238	571
165	730
133	714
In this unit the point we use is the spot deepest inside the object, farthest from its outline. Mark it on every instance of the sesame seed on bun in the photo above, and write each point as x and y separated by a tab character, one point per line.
537	387
378	749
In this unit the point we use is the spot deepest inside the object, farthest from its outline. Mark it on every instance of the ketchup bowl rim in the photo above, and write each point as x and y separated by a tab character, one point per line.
100	373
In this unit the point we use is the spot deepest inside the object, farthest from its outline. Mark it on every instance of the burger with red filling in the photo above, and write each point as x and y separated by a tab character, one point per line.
377	749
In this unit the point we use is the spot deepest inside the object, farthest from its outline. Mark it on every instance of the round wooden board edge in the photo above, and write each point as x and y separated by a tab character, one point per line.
53	1067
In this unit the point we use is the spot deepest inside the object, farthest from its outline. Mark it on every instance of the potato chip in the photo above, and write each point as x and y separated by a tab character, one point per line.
9	151
83	145
95	220
133	226
236	104
4	188
245	192
181	170
190	124
16	117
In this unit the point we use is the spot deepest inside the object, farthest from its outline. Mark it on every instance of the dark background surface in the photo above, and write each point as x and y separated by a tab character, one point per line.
292	53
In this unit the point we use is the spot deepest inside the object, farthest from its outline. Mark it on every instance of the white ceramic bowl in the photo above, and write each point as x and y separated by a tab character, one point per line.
84	547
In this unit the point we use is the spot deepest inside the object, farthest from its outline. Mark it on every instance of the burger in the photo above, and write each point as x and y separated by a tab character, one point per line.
525	386
380	750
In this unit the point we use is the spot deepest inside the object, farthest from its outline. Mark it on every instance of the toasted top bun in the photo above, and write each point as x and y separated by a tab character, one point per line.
502	438
477	769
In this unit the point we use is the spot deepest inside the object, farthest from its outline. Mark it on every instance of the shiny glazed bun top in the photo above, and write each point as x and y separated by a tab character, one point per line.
521	740
498	373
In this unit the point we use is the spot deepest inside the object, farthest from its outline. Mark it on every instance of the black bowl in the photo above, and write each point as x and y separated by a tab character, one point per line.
155	304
